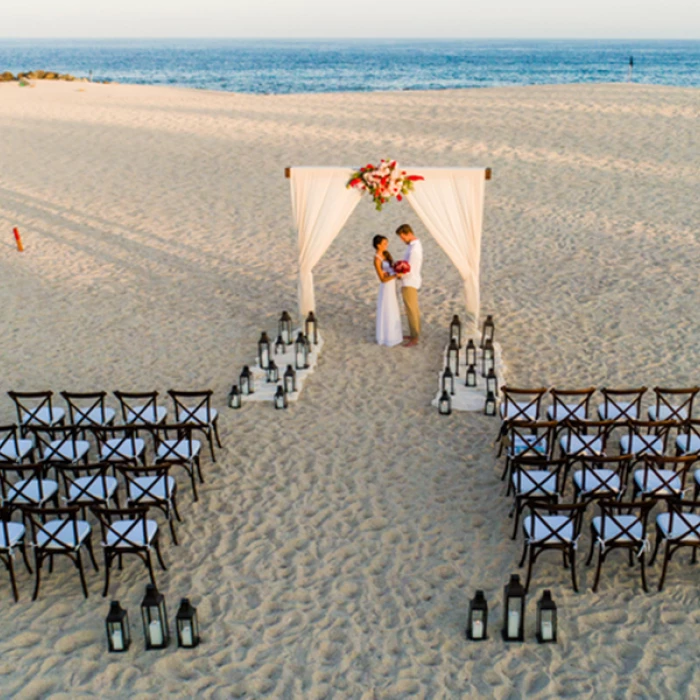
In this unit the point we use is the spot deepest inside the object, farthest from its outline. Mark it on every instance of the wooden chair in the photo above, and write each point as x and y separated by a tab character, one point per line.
120	445
570	404
688	439
60	445
35	408
673	404
621	405
152	486
12	447
194	408
128	531
24	485
518	404
678	528
89	485
528	439
644	437
552	527
183	450
620	526
141	409
535	479
582	439
89	409
58	531
662	478
11	538
601	477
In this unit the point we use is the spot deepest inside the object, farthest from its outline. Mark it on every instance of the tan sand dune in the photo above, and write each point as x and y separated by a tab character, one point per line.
334	548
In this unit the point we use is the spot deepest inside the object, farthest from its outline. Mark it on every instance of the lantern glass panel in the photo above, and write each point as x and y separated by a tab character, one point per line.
546	619
187	625
471	376
448	381
445	404
453	356
487	330
490	404
280	398
478	617
155	619
118	630
471	352
234	397
513	621
280	346
284	328
311	328
264	351
272	372
456	329
290	380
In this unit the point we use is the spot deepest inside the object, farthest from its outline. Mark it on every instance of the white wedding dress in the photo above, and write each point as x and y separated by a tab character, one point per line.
389	330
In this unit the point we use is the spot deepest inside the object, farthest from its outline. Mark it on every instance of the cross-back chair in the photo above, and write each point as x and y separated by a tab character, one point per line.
678	528
569	404
620	405
527	438
25	485
601	477
194	408
152	486
587	438
128	531
620	526
13	448
89	485
552	526
518	404
688	439
141	408
645	437
36	408
12	538
120	445
56	532
661	478
673	404
60	444
182	450
88	409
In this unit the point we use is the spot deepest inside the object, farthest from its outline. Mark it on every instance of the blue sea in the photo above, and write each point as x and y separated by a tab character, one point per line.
303	66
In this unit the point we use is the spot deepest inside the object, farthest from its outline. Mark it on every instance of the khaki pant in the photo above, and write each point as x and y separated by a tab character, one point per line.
410	300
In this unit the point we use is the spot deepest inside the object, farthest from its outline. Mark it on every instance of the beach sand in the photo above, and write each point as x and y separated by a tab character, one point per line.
335	547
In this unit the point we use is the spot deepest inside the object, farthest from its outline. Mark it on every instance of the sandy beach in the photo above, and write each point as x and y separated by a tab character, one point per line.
335	547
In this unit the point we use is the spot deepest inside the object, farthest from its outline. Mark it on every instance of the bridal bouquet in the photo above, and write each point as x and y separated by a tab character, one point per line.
402	267
383	182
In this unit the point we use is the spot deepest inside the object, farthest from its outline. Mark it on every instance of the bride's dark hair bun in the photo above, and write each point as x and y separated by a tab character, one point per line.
377	240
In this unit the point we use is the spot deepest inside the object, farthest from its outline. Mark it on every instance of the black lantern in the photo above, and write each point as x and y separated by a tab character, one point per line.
280	346
453	356
445	404
234	397
471	352
284	328
246	382
487	330
118	632
490	404
311	328
456	330
155	619
281	398
471	376
290	380
448	380
546	619
478	617
264	351
487	358
301	352
514	610
272	372
187	625
492	382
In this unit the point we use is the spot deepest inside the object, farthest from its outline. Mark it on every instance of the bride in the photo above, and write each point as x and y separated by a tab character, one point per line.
388	315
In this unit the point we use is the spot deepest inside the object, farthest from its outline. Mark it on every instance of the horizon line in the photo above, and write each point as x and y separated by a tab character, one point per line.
343	38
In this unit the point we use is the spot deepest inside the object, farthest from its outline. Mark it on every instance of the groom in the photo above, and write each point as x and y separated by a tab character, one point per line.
411	282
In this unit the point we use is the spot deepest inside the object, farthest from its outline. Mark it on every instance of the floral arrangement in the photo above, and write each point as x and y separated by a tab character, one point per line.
402	267
383	182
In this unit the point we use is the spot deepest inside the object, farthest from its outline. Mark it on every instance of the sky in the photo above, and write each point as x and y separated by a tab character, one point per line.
597	19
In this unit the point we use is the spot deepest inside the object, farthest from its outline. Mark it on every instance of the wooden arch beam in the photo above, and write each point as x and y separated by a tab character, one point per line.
488	173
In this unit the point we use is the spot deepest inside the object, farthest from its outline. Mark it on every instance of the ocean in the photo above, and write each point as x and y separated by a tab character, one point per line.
303	66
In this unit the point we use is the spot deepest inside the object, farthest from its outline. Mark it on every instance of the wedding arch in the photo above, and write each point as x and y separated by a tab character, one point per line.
449	202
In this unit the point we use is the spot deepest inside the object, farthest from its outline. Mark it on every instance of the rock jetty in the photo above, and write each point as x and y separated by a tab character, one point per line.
7	77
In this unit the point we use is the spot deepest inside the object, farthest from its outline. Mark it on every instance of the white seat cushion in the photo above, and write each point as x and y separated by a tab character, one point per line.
66	536
9	451
522	446
146	489
67	450
135	536
666	413
647	445
569	410
655	480
99	490
44	416
688	444
679	529
597	480
512	411
200	415
534	482
591	446
146	414
27	491
168	449
95	416
542	533
613	412
15	532
117	449
613	529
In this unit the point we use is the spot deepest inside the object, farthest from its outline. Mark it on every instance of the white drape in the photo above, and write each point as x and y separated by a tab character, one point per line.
321	204
450	203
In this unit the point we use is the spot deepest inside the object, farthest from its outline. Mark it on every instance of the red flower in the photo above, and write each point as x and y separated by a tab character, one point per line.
415	178
398	197
355	182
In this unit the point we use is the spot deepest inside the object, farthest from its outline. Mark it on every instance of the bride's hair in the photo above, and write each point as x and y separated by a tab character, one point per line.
376	241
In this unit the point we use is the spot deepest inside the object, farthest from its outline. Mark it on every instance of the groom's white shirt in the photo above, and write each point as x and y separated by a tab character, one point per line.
414	257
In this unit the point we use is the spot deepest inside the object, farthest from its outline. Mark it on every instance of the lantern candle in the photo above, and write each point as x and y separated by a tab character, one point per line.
155	634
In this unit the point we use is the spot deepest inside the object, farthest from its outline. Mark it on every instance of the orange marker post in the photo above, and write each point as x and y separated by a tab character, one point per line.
18	239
